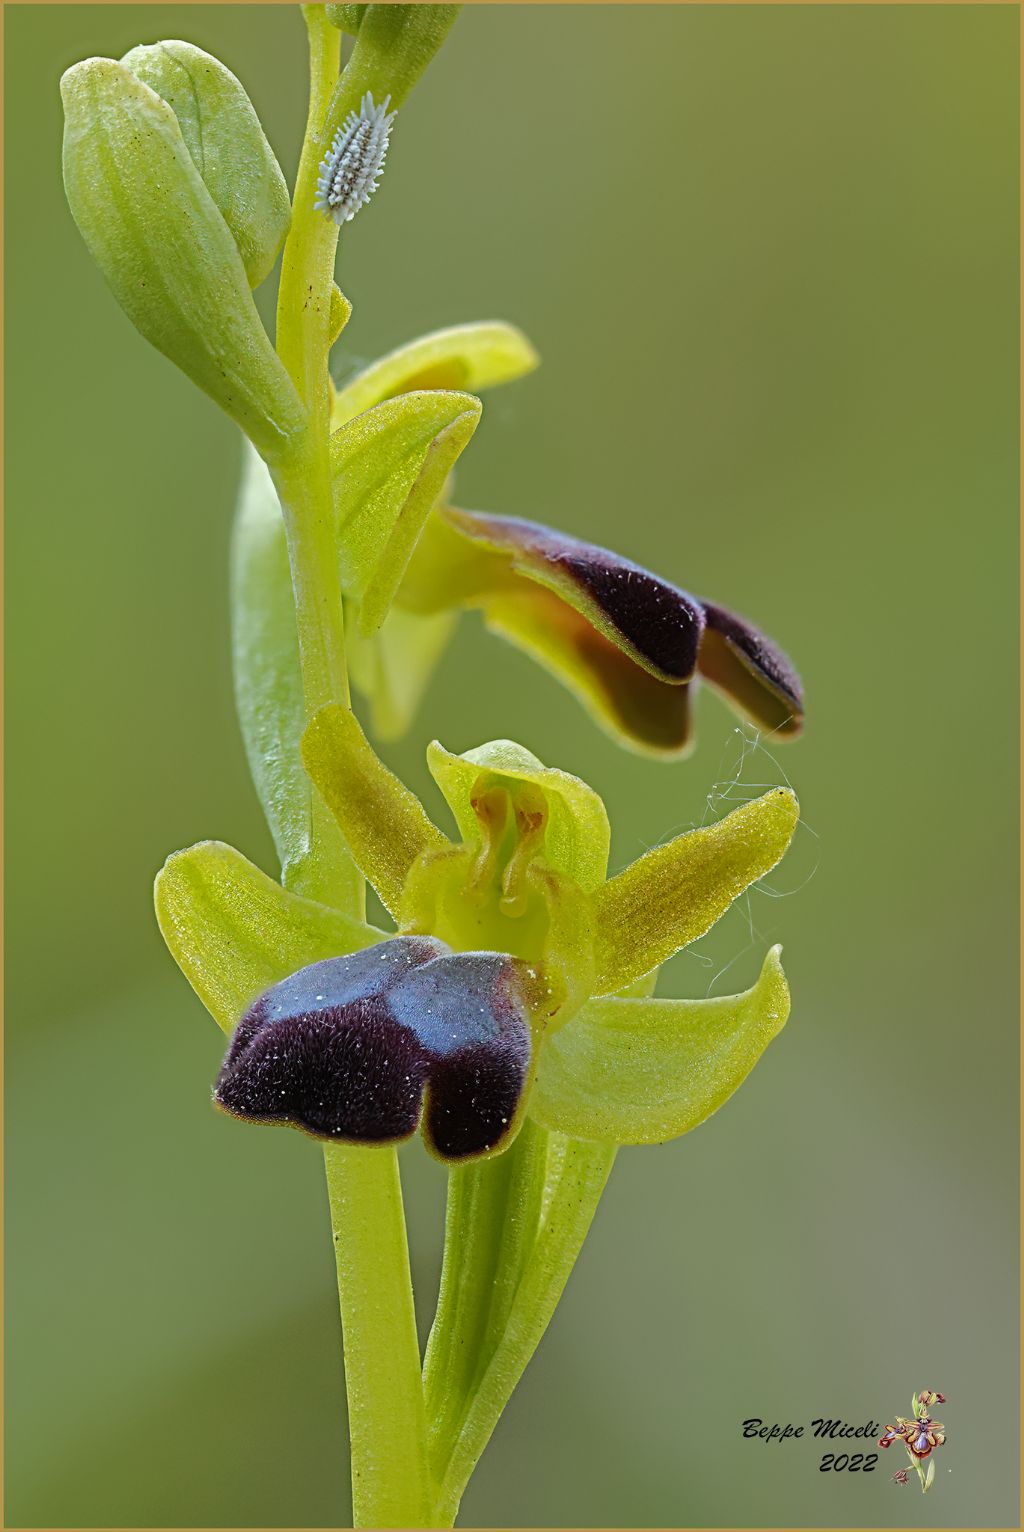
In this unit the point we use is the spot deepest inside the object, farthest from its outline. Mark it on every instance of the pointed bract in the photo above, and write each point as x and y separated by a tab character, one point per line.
388	467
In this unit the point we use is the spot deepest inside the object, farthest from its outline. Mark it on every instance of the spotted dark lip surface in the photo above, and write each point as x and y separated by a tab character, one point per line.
364	1048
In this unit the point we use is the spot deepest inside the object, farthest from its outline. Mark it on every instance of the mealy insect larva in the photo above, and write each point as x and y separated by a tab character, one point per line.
349	170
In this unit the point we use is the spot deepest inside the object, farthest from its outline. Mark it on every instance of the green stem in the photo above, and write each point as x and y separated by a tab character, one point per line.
329	873
571	1203
307	265
391	1481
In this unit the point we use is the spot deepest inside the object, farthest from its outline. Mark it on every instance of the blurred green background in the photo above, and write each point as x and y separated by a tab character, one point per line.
769	256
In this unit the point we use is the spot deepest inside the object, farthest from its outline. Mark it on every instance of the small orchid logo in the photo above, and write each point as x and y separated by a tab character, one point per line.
920	1435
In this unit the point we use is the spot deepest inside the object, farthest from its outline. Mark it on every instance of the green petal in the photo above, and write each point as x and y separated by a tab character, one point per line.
470	357
392	668
227	143
577	834
234	932
268	679
164	248
389	466
384	824
643	1071
675	893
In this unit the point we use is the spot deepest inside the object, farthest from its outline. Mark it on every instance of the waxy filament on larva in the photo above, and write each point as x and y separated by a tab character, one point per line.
349	170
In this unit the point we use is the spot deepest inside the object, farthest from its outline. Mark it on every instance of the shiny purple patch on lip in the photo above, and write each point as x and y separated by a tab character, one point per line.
360	1048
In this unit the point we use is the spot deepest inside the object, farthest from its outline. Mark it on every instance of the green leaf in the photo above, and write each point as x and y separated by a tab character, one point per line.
643	1071
577	833
223	135
675	893
930	1475
389	466
234	932
470	357
163	246
268	677
384	824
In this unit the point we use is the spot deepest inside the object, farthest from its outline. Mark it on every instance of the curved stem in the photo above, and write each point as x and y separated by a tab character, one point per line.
571	1205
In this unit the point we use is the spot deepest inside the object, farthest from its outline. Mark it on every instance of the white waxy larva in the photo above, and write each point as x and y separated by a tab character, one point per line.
349	170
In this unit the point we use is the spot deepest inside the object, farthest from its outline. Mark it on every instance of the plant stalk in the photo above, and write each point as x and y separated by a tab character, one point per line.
391	1480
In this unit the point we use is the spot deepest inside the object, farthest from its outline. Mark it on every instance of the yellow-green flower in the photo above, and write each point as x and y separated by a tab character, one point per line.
518	978
630	645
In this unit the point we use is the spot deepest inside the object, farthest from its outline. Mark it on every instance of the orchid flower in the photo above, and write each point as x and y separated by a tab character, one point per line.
501	990
629	644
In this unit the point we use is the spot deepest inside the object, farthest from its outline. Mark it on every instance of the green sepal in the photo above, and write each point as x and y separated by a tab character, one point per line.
164	248
675	893
385	826
225	139
389	466
577	834
643	1071
234	932
469	357
268	679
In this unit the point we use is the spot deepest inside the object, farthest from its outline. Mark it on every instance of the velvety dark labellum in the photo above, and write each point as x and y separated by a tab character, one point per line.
662	623
361	1048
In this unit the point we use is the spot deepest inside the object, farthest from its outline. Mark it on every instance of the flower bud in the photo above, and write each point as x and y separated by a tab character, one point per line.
347	18
223	135
394	44
163	246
